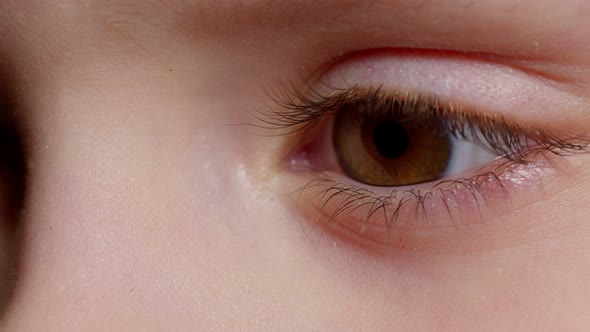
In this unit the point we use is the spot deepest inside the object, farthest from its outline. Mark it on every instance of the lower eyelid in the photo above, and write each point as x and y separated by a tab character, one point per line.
382	215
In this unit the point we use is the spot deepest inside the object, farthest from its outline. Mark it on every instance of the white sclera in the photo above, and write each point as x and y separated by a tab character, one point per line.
467	155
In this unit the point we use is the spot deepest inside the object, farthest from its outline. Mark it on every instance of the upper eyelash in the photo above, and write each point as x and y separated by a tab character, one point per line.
298	113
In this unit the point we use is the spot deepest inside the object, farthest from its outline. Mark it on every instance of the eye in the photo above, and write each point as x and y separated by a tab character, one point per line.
389	160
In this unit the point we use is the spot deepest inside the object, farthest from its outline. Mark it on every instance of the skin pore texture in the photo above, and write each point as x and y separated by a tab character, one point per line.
147	208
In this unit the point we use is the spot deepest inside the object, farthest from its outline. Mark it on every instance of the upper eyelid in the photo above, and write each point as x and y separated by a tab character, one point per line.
487	86
468	81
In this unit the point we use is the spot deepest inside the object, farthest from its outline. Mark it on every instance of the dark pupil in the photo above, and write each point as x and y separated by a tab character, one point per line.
391	139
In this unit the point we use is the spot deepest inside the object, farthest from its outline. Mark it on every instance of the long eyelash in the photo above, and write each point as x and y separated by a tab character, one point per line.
516	142
505	137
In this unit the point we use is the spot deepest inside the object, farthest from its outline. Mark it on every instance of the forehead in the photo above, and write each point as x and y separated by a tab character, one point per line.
289	12
549	30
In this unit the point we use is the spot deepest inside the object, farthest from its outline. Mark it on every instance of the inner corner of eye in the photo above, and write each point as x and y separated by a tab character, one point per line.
304	156
298	159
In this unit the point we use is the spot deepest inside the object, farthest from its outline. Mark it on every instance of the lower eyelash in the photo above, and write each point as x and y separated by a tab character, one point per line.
377	215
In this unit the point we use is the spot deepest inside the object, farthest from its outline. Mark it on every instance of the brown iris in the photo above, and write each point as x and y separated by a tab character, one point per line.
391	150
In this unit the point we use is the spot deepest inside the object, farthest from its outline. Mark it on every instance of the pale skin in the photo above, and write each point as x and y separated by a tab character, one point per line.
146	209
